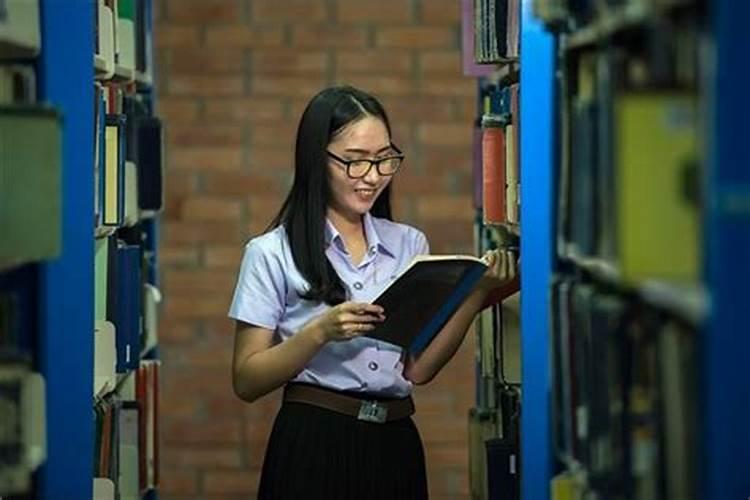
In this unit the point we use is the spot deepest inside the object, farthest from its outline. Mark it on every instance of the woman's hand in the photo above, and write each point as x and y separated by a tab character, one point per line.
502	269
346	321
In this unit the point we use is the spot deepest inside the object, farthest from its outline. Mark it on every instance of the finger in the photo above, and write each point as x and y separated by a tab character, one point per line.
348	318
363	308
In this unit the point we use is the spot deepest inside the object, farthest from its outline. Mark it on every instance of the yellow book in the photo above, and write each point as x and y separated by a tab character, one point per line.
656	156
112	187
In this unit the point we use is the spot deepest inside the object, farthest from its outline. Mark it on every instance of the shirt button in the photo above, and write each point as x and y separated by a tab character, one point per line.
358	285
372	251
372	365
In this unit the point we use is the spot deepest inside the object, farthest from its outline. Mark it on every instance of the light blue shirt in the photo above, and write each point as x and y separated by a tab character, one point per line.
267	295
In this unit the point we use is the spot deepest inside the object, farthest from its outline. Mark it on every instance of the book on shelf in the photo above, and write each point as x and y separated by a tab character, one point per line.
20	34
424	296
31	187
23	435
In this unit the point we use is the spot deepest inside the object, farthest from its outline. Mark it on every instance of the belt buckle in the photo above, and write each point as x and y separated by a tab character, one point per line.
372	411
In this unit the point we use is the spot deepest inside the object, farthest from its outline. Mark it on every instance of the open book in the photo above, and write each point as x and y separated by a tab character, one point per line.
424	296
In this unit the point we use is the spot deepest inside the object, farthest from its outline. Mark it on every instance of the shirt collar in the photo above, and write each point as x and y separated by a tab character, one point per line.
374	240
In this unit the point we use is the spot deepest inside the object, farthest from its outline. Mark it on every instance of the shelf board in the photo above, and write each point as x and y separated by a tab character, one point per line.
123	74
688	302
607	25
600	269
617	20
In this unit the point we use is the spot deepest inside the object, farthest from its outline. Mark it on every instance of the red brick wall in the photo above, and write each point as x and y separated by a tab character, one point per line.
233	77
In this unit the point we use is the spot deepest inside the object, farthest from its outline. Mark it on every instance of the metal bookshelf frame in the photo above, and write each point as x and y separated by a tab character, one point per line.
537	150
66	313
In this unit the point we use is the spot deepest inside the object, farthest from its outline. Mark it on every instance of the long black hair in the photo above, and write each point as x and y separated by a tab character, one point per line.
303	213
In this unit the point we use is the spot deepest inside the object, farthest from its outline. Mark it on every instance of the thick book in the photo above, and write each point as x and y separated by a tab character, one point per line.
424	296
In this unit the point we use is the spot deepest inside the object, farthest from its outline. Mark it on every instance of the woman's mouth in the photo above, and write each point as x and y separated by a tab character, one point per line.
365	194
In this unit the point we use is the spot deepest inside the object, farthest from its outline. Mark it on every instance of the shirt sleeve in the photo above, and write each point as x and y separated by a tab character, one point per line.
259	296
421	245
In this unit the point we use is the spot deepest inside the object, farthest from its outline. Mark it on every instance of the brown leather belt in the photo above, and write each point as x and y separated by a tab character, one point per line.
370	410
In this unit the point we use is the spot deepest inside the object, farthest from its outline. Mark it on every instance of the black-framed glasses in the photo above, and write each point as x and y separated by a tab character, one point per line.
356	169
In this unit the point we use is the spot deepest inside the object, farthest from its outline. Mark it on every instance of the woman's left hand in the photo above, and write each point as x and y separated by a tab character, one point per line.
502	269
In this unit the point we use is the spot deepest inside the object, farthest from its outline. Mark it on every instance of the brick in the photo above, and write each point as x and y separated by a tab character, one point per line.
441	160
417	108
177	110
268	11
177	233
239	184
278	135
258	430
205	158
216	431
177	481
446	62
173	401
202	281
172	331
444	207
411	184
209	354
253	110
290	62
386	11
195	306
178	256
434	403
204	11
415	37
440	12
263	158
205	86
243	36
222	256
443	87
379	85
173	37
376	62
445	134
329	36
201	135
287	86
245	481
210	208
180	185
442	429
448	236
207	61
441	455
264	208
184	456
453	482
201	383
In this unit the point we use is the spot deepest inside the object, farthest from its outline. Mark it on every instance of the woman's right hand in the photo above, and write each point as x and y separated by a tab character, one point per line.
346	321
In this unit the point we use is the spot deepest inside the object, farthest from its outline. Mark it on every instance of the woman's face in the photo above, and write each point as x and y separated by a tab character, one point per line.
364	139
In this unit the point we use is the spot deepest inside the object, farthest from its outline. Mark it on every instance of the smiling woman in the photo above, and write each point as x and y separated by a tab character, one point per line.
302	304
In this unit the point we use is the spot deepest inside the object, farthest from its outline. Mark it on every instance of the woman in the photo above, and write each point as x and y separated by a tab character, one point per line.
301	307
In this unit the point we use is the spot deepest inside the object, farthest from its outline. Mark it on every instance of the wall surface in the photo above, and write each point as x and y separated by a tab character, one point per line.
234	76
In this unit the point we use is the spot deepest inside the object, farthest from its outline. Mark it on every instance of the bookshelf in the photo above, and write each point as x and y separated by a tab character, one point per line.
647	259
63	355
491	54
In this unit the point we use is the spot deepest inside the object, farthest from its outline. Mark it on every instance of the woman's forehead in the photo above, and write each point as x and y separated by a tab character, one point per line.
367	133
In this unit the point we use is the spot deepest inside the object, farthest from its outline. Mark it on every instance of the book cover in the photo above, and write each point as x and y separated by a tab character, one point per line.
424	296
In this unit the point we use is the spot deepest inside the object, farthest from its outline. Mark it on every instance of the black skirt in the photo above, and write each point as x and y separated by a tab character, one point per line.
318	453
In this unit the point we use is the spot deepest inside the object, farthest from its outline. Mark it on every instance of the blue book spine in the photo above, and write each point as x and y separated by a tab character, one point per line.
460	293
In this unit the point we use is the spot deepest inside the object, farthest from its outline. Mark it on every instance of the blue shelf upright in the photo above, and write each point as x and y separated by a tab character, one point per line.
66	316
537	112
726	450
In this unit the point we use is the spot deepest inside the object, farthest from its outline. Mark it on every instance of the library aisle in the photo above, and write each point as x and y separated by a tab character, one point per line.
144	142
